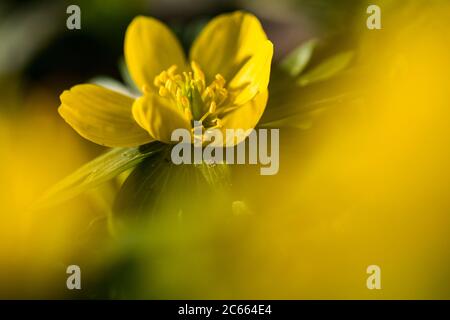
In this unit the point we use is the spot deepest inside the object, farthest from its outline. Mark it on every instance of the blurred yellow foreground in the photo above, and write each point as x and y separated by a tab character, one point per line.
367	184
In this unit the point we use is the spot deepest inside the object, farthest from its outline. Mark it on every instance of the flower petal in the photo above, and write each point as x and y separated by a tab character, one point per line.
226	43
254	76
159	116
245	116
102	116
150	48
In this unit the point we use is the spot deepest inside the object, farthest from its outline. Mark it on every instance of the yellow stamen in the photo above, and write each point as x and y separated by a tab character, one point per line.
145	89
185	101
163	92
212	107
189	92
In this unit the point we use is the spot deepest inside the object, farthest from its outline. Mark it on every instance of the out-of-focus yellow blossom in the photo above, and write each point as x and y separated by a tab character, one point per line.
367	184
37	246
224	85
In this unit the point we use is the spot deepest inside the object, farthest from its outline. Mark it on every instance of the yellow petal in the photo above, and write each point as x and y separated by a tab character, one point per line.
159	116
254	76
150	48
226	43
102	116
245	116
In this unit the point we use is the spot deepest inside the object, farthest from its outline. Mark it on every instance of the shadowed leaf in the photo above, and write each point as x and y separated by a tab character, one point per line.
157	186
299	58
327	69
99	170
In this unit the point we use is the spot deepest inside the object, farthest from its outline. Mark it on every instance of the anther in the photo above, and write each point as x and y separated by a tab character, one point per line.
168	85
172	69
163	91
185	102
212	107
145	88
198	73
220	79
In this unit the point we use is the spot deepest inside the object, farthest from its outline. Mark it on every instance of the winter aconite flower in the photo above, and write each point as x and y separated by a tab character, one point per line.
223	83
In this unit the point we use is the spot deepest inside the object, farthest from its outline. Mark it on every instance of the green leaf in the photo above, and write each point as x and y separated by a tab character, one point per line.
302	121
327	69
293	105
299	58
215	175
96	172
158	187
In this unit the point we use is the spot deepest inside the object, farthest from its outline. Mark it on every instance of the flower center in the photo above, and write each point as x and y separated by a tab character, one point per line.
189	92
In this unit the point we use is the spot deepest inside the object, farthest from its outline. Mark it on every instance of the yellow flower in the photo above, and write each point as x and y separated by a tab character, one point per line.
223	84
